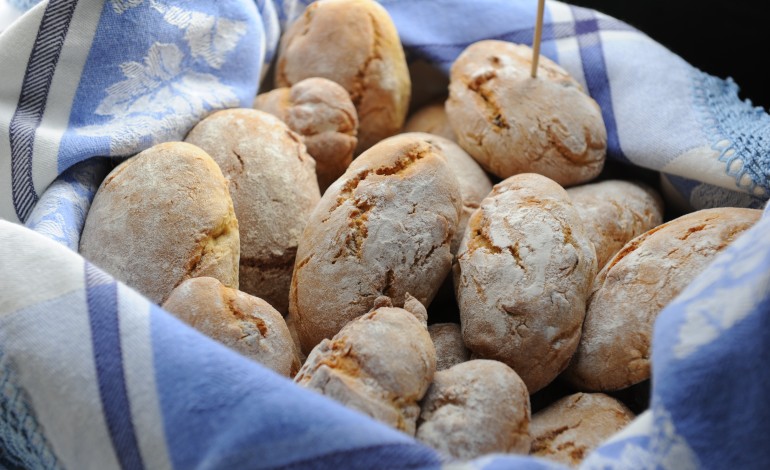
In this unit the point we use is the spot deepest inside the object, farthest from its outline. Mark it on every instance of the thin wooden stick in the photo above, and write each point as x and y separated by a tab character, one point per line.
538	37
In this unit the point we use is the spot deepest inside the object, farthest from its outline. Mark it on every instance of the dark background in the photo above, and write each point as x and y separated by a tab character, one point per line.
724	38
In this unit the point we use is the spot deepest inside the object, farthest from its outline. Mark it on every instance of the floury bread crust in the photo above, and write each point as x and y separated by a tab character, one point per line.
474	182
274	189
522	277
571	428
353	43
380	364
511	123
383	228
321	112
475	408
614	212
161	217
431	119
450	349
637	284
238	320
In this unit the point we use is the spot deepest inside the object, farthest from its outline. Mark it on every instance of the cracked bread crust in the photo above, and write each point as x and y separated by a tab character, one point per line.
380	364
161	217
522	277
614	212
431	119
571	428
321	112
450	349
474	182
636	284
242	322
353	43
511	123
475	408
383	228
274	189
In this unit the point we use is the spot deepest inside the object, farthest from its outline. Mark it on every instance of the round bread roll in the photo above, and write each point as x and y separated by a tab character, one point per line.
475	408
474	182
238	320
636	285
450	349
354	43
321	112
613	212
162	217
511	123
431	119
380	364
383	228
273	184
522	277
571	428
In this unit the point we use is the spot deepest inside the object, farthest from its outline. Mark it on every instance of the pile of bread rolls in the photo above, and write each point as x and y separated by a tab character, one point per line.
310	236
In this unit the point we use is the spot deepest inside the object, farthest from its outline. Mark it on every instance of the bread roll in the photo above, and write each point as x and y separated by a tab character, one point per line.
474	182
450	349
613	212
636	285
511	123
238	320
571	428
380	364
383	228
354	43
321	112
522	277
162	217
475	408
431	119
273	184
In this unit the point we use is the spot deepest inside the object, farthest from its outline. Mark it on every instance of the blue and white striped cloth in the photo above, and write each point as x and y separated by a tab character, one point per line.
92	375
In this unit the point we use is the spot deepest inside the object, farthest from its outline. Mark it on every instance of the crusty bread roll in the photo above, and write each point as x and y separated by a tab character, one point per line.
512	123
273	184
162	217
522	277
383	228
474	182
238	320
636	284
475	408
450	349
571	428
321	112
431	119
615	211
380	364
354	43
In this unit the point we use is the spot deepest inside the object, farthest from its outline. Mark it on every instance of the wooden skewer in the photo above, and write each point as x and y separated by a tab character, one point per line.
538	37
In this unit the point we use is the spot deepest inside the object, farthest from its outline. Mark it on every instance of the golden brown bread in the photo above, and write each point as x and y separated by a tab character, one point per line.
615	211
571	428
475	408
380	364
274	188
636	284
511	123
432	119
161	217
522	277
450	349
238	320
321	112
354	43
383	228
